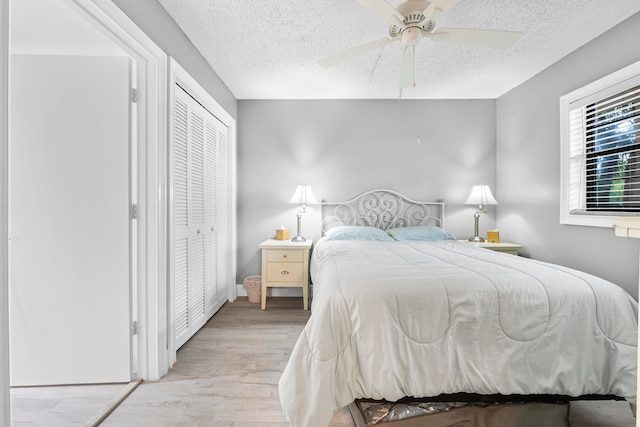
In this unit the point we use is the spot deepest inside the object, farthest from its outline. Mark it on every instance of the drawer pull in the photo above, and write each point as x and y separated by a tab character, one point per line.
284	272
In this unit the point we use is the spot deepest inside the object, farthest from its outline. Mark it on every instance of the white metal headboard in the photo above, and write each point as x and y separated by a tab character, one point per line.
382	209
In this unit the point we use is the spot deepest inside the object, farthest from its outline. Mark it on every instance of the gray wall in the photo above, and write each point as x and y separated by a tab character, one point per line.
427	150
154	20
528	160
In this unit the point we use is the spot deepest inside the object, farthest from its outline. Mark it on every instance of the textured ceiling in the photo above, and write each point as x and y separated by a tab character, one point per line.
268	49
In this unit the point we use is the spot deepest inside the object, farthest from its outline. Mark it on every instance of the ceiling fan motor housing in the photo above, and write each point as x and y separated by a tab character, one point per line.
413	24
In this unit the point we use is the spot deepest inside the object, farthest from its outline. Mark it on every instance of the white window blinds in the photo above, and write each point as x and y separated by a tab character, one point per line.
601	148
605	154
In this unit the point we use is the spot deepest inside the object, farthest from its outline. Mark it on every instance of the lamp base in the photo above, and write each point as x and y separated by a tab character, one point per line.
476	236
298	239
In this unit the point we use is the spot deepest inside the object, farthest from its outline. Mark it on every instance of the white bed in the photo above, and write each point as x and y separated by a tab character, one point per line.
422	318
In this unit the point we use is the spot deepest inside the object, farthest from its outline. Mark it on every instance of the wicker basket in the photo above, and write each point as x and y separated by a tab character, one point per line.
253	285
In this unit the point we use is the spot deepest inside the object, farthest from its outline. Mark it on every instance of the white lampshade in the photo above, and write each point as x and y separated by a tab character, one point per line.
303	196
481	196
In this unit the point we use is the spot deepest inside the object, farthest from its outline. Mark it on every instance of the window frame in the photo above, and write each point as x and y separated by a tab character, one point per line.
593	218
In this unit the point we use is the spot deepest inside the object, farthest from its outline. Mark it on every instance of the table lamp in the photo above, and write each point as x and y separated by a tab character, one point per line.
481	196
302	196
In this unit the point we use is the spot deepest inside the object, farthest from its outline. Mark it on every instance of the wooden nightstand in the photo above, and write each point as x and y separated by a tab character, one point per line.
285	264
508	248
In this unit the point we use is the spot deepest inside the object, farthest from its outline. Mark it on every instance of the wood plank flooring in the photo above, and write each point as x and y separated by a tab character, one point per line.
61	405
227	375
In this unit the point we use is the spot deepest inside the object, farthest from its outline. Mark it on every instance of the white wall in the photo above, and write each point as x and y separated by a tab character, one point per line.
4	210
427	150
154	20
528	160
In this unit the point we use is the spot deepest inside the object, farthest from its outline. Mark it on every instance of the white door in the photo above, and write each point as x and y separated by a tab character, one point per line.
69	224
189	183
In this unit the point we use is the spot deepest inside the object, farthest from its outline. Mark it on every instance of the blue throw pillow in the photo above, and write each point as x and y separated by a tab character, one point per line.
428	233
357	232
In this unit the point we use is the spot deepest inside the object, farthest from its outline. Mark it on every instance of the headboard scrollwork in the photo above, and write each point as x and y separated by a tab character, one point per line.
382	209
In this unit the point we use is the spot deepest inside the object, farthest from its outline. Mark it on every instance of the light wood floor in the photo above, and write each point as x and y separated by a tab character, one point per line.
227	375
61	405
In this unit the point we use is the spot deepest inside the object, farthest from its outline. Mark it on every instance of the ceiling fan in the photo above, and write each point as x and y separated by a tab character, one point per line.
416	19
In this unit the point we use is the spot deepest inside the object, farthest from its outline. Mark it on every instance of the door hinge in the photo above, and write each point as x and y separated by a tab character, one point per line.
134	95
134	211
134	328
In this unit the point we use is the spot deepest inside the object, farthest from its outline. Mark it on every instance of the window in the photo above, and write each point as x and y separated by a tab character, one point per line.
600	141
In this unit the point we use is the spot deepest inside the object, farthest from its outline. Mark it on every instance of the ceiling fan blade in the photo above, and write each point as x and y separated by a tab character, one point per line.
408	67
383	9
487	38
437	8
356	51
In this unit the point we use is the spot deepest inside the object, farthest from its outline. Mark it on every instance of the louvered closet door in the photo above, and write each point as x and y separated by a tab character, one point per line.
181	181
197	192
210	156
216	216
196	219
222	216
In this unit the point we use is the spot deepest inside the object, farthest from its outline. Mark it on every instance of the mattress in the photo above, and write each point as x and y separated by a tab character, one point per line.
396	319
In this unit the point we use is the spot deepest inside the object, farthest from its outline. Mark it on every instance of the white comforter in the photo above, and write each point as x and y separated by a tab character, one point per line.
394	319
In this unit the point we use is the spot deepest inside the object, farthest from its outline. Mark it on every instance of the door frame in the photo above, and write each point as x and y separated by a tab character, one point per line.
150	192
151	63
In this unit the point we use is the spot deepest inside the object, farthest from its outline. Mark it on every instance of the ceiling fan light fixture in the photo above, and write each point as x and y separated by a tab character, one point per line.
411	36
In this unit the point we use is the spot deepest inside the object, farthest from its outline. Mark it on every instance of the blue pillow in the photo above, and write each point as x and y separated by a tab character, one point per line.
357	232
427	233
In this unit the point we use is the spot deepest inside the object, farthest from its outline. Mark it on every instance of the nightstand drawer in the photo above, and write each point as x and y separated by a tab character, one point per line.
284	271
284	255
